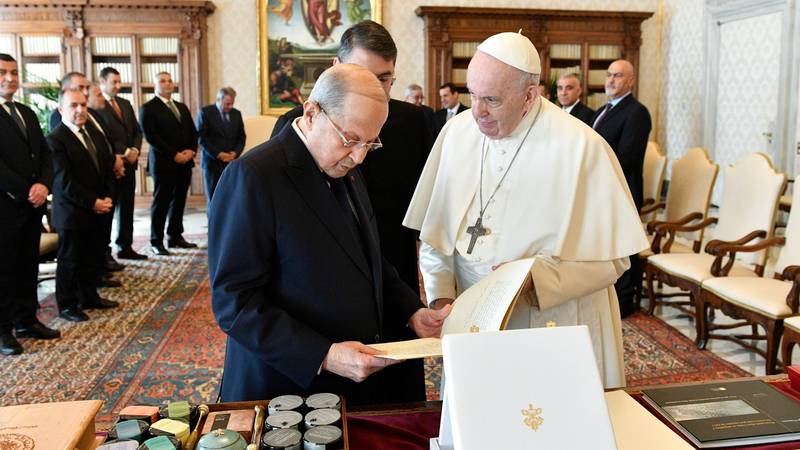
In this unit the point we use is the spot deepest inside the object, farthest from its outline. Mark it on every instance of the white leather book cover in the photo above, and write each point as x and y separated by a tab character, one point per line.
525	389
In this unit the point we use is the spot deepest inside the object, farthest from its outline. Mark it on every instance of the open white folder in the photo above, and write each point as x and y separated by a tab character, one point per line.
485	306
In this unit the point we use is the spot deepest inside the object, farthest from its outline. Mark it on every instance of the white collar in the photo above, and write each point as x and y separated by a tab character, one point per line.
454	109
618	99
165	100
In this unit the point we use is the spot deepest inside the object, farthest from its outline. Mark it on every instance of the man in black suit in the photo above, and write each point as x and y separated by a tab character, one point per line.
168	127
221	131
298	282
625	124
77	80
125	136
448	94
391	173
414	95
26	175
82	198
569	91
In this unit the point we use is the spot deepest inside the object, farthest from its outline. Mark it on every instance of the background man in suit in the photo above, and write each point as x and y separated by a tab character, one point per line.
125	136
391	173
569	96
77	80
298	282
221	131
448	94
82	196
72	80
168	127
414	95
26	175
625	124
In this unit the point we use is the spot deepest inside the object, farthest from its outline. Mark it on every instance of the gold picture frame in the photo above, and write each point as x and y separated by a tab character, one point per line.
297	40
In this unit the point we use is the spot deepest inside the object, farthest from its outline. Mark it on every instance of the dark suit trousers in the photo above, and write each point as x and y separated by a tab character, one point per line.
211	178
80	256
169	198
628	285
19	269
126	191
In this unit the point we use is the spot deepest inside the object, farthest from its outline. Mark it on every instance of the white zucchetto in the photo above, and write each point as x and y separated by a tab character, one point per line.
514	49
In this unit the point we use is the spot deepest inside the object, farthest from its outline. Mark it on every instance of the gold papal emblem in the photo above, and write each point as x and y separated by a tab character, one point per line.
474	329
532	418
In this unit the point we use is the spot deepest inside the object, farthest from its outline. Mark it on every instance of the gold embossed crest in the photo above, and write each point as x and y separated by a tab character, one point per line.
474	329
532	417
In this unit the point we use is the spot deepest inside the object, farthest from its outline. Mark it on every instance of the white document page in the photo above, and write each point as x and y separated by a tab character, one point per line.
485	306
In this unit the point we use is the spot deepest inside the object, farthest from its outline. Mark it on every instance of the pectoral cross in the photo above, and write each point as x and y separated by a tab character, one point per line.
476	230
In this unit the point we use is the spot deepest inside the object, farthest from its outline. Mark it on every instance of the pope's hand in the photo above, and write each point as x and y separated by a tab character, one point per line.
428	322
354	360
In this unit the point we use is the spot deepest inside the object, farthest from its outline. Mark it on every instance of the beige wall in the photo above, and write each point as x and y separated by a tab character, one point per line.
233	54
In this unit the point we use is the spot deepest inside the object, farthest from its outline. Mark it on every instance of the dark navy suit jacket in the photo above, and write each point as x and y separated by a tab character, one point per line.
25	160
626	128
215	137
288	279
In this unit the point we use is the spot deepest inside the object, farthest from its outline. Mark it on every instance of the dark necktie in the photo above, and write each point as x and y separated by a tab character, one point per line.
90	146
14	115
339	190
602	115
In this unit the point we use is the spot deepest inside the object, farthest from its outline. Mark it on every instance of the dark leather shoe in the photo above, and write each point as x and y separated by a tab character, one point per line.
180	243
9	345
37	331
159	250
73	314
109	282
100	303
111	264
129	253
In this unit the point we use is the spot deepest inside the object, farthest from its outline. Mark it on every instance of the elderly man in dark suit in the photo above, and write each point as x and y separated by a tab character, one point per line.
391	173
298	281
169	128
415	96
26	175
568	89
222	137
625	124
448	94
82	198
125	136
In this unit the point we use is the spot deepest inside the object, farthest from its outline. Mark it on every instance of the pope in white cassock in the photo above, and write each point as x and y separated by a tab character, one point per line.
521	178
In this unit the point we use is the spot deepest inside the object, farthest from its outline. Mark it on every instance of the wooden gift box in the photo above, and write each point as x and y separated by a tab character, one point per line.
67	425
214	407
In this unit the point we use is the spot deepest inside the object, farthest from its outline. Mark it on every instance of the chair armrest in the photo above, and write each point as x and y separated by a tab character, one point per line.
792	273
662	229
651	207
720	249
675	227
711	247
654	224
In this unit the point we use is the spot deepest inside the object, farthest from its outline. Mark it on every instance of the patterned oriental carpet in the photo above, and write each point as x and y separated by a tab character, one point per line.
163	344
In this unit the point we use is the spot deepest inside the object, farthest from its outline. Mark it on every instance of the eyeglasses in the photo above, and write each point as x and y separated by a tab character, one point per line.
347	143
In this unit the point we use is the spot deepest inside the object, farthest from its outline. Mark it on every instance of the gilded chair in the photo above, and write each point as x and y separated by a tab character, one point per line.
746	216
257	129
791	336
655	166
688	200
756	301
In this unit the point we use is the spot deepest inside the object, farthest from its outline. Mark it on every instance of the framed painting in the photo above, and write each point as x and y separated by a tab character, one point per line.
297	41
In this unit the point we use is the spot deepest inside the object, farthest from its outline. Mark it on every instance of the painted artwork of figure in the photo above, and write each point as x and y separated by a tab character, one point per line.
358	10
282	88
322	16
283	10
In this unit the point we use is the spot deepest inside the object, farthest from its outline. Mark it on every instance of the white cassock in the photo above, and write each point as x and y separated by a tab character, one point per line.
564	201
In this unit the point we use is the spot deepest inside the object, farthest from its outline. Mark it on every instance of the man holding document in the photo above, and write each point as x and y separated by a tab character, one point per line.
518	178
297	278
